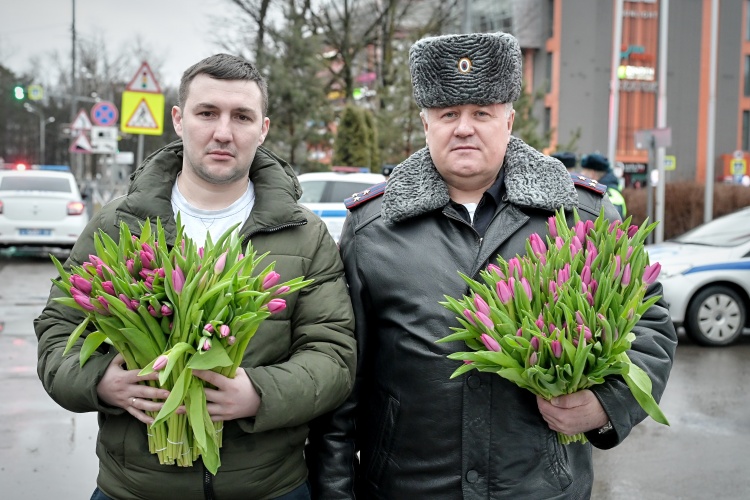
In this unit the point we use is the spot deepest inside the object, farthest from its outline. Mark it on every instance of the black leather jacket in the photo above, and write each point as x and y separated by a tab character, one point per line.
420	434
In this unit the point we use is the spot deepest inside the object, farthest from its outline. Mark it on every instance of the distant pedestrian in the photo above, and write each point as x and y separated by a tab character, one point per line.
597	167
566	158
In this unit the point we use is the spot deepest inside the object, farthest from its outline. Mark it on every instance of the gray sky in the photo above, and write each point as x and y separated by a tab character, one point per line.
177	30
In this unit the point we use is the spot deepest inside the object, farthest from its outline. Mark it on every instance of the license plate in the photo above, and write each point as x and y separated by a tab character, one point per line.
34	232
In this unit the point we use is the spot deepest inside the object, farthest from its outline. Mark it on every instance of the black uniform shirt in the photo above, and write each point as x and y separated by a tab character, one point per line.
486	207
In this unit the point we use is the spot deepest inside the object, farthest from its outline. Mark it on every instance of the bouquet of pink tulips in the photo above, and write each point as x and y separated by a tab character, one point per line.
560	319
174	310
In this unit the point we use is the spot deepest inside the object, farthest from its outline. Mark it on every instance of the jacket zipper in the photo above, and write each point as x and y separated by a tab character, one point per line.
272	230
208	484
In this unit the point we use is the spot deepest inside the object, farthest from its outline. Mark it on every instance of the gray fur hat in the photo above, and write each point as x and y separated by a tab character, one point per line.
475	68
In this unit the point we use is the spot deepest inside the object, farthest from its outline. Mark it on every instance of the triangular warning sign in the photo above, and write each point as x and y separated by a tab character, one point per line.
144	81
82	122
81	144
142	117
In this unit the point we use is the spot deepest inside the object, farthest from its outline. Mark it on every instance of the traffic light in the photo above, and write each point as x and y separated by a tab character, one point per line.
19	92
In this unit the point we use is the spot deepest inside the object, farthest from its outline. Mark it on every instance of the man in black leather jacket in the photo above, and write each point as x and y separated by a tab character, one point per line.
409	431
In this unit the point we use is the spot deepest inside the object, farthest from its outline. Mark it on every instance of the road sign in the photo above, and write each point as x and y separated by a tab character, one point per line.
144	81
35	92
142	113
670	162
81	122
104	140
104	114
81	144
738	167
143	104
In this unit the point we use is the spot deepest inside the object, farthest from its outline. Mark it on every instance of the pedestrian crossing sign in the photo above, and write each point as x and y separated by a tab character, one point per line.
143	113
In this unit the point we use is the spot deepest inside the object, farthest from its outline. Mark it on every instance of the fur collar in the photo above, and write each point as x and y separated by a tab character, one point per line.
531	180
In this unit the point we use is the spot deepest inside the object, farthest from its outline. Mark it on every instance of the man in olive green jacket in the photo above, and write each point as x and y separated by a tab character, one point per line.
300	363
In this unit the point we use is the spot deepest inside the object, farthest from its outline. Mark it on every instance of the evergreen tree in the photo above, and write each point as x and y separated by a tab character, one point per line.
372	140
351	147
298	107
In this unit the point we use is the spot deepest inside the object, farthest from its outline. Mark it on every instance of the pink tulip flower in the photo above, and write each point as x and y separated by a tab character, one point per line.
276	305
496	269
81	284
178	279
161	363
469	316
651	273
485	320
556	347
220	263
82	299
626	275
481	305
504	292
224	331
552	224
490	343
108	287
270	280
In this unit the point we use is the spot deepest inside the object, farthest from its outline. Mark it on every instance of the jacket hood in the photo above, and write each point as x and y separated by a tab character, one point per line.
532	179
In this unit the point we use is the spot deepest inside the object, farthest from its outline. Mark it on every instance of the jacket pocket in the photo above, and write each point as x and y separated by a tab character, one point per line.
558	458
384	439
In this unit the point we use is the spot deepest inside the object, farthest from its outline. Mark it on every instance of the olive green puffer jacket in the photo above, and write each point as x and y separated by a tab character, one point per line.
301	361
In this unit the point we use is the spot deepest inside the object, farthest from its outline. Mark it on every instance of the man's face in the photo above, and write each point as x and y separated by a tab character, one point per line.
468	142
221	125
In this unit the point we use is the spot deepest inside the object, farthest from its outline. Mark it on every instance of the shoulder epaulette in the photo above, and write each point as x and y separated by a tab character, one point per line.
589	184
368	194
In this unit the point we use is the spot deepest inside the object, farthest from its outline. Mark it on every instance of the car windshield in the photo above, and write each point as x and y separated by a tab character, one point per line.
727	231
36	183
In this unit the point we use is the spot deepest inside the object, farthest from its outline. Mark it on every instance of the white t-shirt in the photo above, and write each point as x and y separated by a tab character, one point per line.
472	208
198	222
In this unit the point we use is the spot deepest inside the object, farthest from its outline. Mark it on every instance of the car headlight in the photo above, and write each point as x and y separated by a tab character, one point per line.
668	272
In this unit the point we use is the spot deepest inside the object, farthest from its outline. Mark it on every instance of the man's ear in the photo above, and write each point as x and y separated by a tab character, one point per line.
177	120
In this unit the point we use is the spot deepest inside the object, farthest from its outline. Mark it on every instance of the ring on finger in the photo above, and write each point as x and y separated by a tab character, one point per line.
132	402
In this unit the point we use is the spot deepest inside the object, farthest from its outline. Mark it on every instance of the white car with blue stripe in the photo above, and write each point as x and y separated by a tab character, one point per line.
324	193
706	278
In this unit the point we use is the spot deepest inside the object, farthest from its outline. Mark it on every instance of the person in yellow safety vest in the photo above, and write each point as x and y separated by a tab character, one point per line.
597	167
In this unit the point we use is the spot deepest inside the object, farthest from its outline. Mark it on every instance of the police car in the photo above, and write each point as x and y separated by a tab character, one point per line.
706	278
40	206
324	193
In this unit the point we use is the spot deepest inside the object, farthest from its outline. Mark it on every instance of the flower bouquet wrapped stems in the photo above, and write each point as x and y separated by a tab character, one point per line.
560	319
174	310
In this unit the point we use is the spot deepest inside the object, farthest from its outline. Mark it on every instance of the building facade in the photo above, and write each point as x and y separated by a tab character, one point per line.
568	52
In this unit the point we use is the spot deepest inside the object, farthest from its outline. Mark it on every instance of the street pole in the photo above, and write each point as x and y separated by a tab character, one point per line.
614	86
73	84
43	120
661	118
708	206
466	21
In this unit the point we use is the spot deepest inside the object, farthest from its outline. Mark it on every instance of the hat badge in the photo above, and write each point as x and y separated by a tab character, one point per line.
464	65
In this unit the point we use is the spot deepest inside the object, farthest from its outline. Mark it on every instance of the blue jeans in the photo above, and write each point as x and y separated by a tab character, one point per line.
300	493
98	495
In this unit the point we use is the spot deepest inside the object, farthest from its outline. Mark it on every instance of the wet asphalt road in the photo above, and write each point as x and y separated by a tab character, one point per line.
48	452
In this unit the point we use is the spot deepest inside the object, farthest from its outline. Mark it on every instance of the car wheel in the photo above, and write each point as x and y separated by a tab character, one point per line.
716	316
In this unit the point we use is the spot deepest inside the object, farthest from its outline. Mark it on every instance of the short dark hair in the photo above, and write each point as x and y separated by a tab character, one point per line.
223	67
